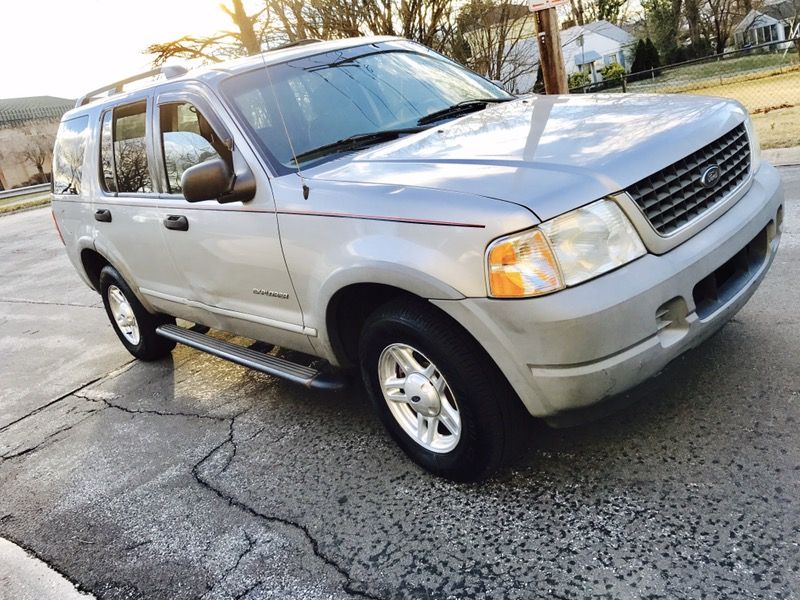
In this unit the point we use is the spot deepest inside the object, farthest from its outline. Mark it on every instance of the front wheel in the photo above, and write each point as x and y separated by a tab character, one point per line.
437	392
135	327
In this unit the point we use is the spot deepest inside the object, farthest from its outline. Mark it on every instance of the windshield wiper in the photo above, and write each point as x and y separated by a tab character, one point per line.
461	108
355	141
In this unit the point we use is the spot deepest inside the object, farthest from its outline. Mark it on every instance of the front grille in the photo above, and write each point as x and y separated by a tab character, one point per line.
675	196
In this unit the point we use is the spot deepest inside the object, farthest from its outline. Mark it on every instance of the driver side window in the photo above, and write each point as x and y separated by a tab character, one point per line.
187	140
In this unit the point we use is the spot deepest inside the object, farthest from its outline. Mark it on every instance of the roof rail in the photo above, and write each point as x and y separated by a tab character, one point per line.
168	71
294	44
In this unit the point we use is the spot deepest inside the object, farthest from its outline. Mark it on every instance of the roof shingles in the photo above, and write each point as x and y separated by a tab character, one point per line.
19	110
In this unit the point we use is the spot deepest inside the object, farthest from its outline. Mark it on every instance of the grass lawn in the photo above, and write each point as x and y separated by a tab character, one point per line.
725	68
774	102
11	208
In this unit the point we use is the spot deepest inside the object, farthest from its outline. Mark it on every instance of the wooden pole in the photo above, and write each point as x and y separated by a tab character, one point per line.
551	60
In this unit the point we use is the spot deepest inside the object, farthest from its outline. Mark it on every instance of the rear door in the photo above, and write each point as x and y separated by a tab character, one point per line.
230	254
126	214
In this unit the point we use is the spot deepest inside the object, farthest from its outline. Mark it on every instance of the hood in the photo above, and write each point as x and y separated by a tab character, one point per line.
548	153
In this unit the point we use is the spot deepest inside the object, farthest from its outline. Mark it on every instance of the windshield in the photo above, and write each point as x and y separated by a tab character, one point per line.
328	97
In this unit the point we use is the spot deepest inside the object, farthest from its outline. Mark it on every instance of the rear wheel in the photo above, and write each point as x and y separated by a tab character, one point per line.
135	327
437	392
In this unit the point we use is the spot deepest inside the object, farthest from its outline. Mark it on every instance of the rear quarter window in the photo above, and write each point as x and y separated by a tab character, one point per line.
68	155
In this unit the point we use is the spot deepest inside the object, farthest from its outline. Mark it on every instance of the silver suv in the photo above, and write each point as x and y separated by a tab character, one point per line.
371	203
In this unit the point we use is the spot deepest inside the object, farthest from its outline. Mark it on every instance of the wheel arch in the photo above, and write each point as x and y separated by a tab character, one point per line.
350	295
93	262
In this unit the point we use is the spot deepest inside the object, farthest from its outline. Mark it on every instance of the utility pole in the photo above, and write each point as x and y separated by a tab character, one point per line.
548	36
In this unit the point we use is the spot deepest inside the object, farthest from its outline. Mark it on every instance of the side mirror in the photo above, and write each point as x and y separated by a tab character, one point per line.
206	181
213	180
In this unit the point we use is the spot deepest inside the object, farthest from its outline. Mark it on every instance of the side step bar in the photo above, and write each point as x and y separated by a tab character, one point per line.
265	363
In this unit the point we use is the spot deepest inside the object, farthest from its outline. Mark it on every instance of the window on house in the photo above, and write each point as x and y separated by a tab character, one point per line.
68	156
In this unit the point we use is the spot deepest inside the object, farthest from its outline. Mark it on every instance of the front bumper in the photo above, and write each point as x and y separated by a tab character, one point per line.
574	348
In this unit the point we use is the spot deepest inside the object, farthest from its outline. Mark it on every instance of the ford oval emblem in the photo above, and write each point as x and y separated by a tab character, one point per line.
710	176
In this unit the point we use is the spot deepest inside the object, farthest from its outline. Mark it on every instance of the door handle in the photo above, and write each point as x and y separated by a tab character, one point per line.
103	215
176	223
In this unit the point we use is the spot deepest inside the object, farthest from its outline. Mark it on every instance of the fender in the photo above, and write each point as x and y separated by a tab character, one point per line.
391	274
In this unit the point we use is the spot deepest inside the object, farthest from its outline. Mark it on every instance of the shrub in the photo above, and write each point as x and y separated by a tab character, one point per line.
612	71
578	79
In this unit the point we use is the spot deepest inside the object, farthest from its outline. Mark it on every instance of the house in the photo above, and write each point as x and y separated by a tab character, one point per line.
771	22
27	131
586	48
591	46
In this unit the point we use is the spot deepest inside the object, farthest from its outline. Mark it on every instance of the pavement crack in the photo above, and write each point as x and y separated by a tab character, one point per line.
349	582
43	302
47	440
152	411
74	392
251	544
249	590
139	545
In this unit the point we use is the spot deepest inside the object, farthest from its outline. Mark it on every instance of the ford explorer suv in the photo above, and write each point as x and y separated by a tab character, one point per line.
476	256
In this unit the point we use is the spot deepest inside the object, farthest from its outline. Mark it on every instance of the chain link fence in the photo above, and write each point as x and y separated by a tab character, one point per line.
764	78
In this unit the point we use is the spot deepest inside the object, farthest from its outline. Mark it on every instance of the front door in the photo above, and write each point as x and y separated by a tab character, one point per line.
229	254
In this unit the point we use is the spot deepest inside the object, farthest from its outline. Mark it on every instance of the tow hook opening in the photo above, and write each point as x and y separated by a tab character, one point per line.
671	321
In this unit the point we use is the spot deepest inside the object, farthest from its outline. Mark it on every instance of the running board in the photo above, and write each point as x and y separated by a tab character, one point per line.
265	363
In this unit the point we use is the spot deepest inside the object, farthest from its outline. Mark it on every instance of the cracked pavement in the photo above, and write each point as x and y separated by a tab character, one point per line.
194	478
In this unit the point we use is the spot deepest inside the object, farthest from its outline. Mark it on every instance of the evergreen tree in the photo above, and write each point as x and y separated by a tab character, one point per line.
639	57
653	59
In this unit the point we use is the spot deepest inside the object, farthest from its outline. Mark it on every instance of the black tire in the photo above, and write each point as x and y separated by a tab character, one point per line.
150	346
491	413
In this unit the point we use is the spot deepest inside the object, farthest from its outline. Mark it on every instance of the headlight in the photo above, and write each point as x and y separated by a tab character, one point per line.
755	145
567	250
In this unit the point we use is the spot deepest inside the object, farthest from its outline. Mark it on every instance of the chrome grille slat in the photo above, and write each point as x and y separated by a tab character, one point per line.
674	196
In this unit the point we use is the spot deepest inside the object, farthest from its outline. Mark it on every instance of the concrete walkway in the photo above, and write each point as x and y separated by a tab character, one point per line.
782	157
25	577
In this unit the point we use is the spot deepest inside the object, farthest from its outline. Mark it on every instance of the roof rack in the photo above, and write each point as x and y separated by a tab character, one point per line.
168	71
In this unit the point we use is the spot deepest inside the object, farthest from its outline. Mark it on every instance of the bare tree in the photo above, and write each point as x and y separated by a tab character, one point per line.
430	22
691	10
663	18
37	152
586	11
500	40
719	15
245	39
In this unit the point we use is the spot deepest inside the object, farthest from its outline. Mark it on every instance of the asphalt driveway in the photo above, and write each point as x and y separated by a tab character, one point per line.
194	478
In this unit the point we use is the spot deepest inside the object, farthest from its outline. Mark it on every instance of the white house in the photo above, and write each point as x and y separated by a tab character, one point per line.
585	48
772	22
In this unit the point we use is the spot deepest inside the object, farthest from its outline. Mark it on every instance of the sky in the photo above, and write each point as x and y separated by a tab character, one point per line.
66	48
